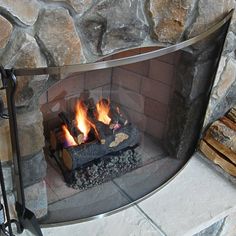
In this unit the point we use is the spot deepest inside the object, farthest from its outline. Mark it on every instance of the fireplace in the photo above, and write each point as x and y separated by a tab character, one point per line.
156	99
155	121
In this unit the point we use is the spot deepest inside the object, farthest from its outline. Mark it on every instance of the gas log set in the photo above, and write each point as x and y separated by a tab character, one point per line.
94	144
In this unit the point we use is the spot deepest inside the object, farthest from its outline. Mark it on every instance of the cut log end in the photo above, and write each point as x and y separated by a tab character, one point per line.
67	159
217	158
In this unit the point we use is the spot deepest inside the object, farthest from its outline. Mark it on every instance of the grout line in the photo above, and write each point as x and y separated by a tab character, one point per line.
140	210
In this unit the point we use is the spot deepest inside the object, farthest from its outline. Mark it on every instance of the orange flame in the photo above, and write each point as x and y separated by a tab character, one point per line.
81	118
103	108
69	139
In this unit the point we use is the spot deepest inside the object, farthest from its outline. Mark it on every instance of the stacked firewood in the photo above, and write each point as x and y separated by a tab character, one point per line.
219	142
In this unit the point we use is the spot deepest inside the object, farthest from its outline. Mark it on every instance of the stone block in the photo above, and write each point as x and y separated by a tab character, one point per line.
127	79
66	87
11	200
155	110
156	90
214	229
222	105
43	98
56	33
193	78
128	98
26	55
5	31
94	79
30	132
3	96
33	168
184	125
155	128
161	71
227	79
170	18
112	25
7	174
79	6
229	227
36	199
5	141
26	13
208	14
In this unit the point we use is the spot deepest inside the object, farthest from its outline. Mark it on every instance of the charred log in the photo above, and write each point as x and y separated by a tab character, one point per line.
74	157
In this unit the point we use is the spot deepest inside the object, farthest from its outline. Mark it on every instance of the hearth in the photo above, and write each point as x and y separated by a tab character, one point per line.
116	130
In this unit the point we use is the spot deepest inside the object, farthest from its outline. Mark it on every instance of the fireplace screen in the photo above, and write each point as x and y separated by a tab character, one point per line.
118	130
105	132
115	135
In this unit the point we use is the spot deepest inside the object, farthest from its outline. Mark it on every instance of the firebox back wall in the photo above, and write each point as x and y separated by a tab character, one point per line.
142	91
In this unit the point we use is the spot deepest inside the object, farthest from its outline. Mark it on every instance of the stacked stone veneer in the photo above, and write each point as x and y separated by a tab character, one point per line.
37	33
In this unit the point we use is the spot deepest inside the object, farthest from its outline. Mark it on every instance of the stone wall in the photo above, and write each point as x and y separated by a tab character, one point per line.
38	33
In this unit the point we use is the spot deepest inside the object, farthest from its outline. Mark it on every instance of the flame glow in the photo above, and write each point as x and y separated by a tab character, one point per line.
103	108
81	118
69	139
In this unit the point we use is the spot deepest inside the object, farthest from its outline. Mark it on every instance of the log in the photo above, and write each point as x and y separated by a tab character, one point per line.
223	139
217	158
75	133
102	131
74	157
228	122
232	114
117	117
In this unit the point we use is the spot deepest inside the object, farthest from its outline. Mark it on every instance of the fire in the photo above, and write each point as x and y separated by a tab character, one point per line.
103	108
69	139
81	118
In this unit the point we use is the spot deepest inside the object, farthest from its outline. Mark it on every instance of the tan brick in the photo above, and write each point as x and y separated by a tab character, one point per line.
149	49
161	71
52	109
155	90
5	141
69	86
135	117
127	53
155	110
96	94
155	128
128	98
168	58
106	91
94	79
140	68
126	79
